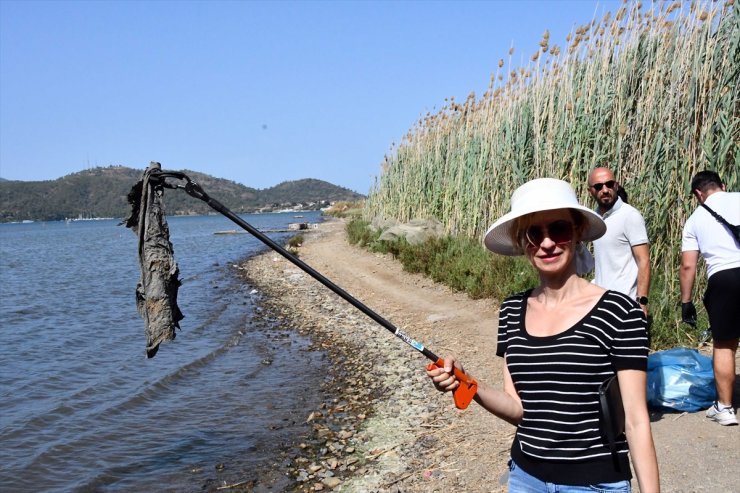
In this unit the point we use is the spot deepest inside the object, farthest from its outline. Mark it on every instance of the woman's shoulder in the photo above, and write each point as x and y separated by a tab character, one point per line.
517	298
612	298
619	309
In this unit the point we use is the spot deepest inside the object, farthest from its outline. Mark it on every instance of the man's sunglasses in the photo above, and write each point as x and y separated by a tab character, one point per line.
560	232
609	184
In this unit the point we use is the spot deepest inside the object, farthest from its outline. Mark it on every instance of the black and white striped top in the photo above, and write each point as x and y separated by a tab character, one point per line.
557	378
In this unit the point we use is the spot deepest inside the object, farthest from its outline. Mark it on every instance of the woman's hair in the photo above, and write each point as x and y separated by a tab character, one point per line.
519	227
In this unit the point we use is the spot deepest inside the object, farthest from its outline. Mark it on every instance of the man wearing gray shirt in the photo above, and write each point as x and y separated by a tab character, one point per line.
622	255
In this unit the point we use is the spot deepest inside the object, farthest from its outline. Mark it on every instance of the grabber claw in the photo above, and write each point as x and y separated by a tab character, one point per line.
467	389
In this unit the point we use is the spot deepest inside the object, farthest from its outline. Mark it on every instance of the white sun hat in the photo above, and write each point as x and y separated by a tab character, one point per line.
541	194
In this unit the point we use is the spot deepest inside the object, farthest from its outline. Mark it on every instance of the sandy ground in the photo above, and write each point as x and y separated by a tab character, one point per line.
410	437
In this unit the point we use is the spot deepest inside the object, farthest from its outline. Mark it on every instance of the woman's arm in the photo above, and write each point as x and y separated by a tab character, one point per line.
633	385
503	403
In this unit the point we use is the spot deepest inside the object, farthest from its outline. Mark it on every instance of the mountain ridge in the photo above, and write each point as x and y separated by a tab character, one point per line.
102	192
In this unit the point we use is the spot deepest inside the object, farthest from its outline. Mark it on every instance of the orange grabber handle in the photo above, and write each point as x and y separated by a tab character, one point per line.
467	389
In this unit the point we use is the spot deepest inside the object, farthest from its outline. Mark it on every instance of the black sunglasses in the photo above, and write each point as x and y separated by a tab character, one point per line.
609	184
560	232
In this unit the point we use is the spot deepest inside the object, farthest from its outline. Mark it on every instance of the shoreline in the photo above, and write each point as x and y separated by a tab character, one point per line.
358	439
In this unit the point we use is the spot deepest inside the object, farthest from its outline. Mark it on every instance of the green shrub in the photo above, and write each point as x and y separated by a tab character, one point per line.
346	209
465	265
667	330
296	241
359	232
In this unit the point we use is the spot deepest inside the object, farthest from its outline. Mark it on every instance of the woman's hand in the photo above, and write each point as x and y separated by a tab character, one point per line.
443	378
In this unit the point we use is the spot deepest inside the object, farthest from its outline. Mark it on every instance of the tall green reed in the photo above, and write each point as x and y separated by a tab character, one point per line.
650	93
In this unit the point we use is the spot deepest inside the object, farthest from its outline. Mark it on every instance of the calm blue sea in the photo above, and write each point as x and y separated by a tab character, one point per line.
82	409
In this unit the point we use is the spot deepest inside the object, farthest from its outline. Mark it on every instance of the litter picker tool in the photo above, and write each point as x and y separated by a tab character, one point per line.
155	177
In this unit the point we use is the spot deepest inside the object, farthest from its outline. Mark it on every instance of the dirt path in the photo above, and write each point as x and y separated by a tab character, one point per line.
417	440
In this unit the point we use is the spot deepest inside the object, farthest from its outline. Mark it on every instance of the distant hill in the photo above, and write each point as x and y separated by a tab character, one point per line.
101	192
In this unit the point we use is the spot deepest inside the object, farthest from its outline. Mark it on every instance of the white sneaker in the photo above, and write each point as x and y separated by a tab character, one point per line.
725	416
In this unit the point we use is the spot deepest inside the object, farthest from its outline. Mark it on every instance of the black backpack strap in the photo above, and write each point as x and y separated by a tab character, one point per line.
612	414
734	230
716	216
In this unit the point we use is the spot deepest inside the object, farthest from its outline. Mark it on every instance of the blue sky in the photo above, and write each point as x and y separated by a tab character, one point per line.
255	92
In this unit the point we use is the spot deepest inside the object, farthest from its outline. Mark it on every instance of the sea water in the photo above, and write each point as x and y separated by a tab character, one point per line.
82	409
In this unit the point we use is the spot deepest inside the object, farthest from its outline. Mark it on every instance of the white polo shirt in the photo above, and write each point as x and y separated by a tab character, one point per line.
703	233
616	267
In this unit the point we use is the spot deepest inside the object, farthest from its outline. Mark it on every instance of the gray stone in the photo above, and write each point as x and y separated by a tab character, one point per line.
415	231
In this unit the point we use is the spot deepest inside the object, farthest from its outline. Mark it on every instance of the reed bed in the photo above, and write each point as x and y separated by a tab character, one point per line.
649	91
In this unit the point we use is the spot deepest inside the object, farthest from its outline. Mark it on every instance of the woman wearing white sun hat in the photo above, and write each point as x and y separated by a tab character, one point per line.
560	341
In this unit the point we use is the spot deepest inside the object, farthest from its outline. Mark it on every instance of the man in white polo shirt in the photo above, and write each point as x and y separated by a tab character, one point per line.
622	255
704	233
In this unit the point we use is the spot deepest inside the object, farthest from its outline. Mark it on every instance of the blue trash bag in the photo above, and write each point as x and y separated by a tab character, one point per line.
680	379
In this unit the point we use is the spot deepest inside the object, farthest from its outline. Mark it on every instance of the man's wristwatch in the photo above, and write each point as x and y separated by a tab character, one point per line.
643	300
